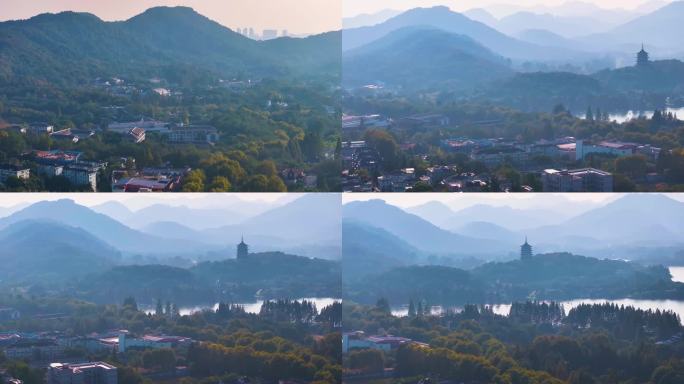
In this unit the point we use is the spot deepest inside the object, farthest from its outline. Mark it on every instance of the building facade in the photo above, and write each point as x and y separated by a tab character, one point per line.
85	373
577	180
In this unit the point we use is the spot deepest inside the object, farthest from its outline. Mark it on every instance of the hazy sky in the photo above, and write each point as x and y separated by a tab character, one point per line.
135	201
458	201
297	16
355	7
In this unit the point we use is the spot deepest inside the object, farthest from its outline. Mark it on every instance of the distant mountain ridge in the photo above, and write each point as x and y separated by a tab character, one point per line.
443	18
47	251
428	57
69	47
629	227
416	231
105	228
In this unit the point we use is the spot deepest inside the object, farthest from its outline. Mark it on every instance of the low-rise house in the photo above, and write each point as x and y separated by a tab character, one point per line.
57	156
359	340
126	342
73	135
145	184
41	128
136	135
10	170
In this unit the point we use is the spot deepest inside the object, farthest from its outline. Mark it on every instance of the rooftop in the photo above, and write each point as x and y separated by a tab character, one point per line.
82	366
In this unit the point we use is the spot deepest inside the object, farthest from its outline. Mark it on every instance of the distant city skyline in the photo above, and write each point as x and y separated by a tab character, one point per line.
298	17
353	8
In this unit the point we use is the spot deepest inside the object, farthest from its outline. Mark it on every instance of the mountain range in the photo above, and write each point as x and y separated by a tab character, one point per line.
587	34
62	239
443	18
531	69
76	47
429	58
642	227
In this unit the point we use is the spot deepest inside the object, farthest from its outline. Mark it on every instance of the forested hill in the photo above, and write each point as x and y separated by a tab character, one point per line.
634	87
76	47
560	276
272	274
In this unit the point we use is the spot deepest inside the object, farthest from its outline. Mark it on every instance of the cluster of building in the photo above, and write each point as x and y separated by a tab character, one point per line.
70	165
64	135
148	179
136	131
353	126
550	160
356	156
133	131
297	176
359	340
56	163
493	152
48	347
266	34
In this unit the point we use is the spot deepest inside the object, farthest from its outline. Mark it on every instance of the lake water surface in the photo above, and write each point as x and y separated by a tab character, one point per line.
675	306
677	274
629	115
252	307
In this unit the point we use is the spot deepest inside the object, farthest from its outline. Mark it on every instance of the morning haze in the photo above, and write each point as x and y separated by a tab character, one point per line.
295	16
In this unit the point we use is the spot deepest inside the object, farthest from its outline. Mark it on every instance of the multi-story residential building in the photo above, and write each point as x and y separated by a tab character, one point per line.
34	349
83	173
577	180
83	373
